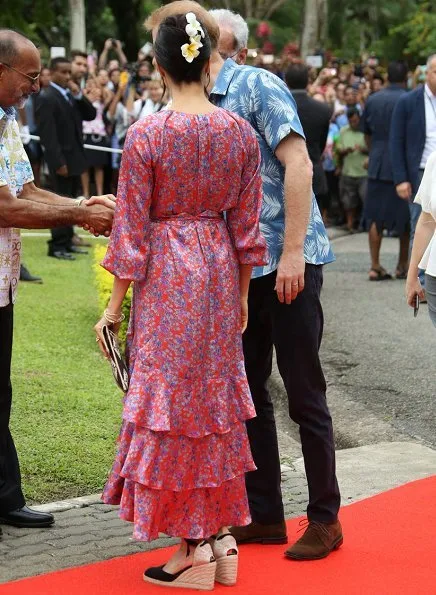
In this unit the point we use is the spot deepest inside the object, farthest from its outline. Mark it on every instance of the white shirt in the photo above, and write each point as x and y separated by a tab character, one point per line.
145	108
426	197
66	92
430	125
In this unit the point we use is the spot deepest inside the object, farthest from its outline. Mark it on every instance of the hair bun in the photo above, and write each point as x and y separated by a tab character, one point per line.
182	47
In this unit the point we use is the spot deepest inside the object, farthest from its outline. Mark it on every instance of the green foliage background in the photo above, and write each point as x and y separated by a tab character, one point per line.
391	29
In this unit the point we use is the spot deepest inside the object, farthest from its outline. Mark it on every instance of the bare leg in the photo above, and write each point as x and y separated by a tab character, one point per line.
99	179
351	216
183	557
375	240
403	257
85	183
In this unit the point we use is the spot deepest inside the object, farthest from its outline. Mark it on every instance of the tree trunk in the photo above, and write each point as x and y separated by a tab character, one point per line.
315	27
78	26
127	14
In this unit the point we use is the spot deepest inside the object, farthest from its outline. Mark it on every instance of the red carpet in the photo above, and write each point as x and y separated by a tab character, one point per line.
389	549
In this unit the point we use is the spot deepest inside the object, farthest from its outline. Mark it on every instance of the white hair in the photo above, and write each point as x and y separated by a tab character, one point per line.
235	23
430	60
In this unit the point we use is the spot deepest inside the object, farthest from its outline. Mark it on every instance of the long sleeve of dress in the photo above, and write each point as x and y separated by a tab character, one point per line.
243	220
128	250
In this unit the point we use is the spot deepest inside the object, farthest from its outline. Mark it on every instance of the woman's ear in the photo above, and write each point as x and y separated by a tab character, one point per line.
161	72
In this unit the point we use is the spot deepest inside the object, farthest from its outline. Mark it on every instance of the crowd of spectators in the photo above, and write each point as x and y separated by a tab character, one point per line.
123	93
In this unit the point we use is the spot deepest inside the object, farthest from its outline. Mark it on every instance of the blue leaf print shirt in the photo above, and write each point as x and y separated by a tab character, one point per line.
265	101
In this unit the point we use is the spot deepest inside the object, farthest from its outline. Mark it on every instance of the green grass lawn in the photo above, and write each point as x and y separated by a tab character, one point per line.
66	407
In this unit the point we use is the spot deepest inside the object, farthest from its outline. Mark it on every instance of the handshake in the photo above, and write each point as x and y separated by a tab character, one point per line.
97	214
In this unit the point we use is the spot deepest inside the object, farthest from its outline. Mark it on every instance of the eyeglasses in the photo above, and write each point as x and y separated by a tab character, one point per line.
225	56
34	79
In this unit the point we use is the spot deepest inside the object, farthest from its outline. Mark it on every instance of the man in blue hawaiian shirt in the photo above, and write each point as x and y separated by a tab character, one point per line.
284	298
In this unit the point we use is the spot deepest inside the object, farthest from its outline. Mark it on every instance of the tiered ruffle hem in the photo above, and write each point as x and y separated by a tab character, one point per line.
182	456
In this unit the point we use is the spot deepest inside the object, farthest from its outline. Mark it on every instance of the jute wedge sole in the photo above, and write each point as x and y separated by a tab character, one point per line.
227	570
200	577
226	555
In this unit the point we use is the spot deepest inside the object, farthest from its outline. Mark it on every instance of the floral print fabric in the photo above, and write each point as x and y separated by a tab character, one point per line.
183	448
15	171
265	101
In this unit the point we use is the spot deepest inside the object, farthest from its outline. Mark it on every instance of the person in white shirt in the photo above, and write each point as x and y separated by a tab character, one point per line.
424	245
412	141
151	102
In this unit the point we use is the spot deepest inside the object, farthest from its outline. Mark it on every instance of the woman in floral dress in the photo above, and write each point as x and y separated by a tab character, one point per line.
183	449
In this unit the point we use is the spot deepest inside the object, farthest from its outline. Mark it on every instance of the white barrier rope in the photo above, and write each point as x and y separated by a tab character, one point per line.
105	149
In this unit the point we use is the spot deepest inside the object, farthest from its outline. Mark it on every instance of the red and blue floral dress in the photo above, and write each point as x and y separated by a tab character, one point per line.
187	214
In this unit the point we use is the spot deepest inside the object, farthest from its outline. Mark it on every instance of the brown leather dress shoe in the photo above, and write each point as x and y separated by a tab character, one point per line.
318	541
264	534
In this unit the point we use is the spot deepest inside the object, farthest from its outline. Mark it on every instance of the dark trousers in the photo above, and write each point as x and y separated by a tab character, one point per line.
11	496
295	330
61	237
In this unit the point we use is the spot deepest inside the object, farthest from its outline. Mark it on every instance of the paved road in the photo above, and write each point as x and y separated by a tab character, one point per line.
378	359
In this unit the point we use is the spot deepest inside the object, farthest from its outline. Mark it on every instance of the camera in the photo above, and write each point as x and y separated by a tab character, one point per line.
135	79
114	43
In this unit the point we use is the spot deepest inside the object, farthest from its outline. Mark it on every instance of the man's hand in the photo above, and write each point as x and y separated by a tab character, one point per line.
62	171
98	219
74	88
290	276
404	190
107	200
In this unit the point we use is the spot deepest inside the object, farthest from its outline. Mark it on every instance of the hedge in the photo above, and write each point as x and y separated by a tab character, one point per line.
104	281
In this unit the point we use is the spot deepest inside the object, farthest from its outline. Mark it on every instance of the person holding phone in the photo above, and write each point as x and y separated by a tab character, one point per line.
424	246
115	46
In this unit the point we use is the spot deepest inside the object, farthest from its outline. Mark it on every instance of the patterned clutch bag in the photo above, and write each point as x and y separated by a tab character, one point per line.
119	367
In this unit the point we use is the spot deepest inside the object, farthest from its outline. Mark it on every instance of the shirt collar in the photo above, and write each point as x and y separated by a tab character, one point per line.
429	93
8	112
7	115
65	92
224	77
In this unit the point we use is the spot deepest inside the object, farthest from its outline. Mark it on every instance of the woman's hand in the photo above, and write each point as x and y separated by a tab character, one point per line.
413	288
98	328
244	314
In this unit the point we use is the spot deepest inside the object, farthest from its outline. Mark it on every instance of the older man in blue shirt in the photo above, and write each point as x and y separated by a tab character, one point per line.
284	298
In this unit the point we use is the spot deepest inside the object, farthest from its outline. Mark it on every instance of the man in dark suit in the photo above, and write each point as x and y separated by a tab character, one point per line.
59	118
383	208
413	139
315	119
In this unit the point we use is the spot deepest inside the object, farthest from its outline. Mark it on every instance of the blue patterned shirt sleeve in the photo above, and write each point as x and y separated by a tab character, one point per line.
264	100
274	109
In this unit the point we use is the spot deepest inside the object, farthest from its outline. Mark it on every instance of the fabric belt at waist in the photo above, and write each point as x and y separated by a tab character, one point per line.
182	217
